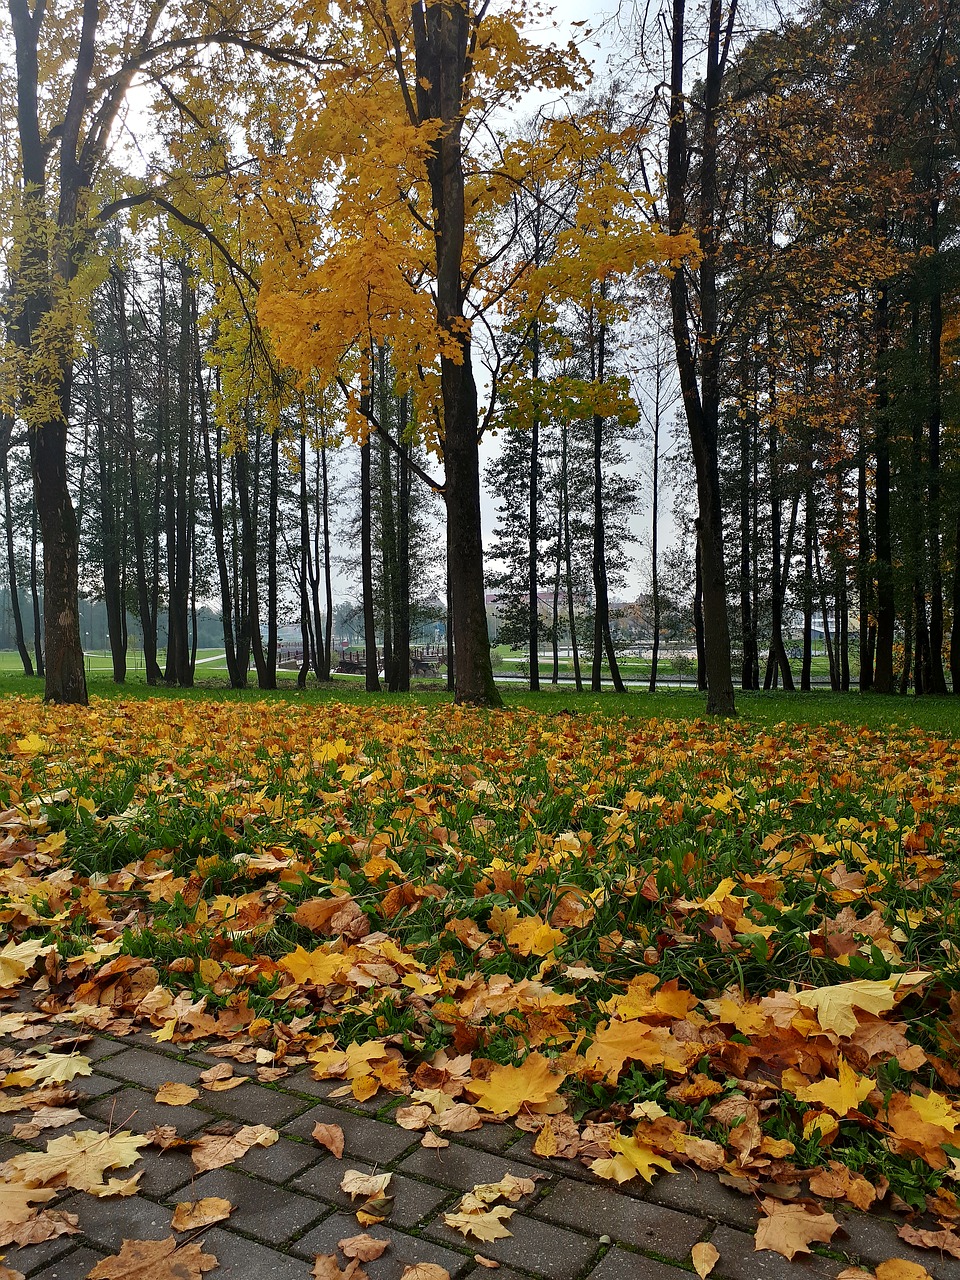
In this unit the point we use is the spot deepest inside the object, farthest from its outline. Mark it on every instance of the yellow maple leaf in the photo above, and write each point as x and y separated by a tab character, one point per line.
533	937
483	1226
509	1089
841	1095
78	1159
790	1229
835	1005
317	968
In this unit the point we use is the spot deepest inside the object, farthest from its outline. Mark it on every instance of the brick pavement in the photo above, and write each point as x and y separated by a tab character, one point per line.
288	1205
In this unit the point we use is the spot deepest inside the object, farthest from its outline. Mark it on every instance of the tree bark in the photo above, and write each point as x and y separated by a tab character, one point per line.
701	399
444	51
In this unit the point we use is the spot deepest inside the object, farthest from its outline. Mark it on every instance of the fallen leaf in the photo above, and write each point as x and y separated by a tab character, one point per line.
425	1271
329	1136
433	1142
902	1269
191	1215
46	1118
47	1225
154	1260
326	1267
370	1185
78	1159
176	1095
508	1089
789	1229
366	1248
487	1225
705	1256
835	1005
55	1068
946	1241
214	1150
486	1262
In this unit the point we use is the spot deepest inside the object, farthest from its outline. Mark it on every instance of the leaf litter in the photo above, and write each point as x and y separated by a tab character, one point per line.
649	944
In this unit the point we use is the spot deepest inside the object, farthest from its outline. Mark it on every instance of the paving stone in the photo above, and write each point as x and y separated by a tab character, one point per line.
94	1086
109	1222
404	1250
635	1222
535	1246
702	1194
874	1239
254	1104
150	1070
242	1259
492	1137
483	1273
369	1139
135	1109
740	1261
459	1167
620	1265
413	1201
303	1082
72	1266
269	1213
281	1162
163	1172
99	1048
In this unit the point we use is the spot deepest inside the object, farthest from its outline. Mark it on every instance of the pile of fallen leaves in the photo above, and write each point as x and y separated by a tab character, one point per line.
648	944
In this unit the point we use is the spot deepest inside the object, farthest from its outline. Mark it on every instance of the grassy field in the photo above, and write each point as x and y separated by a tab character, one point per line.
653	939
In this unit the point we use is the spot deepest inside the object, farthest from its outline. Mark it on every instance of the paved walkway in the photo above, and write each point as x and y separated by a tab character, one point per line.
288	1206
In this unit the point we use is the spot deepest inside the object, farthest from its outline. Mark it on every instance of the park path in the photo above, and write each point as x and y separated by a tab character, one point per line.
288	1206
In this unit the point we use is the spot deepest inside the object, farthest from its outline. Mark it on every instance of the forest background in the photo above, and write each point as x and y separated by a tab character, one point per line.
256	264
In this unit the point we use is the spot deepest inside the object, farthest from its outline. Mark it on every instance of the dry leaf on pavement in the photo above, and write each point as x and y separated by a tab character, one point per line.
78	1159
789	1229
483	1226
47	1225
329	1136
176	1095
154	1260
901	1269
364	1247
327	1267
191	1215
705	1257
946	1241
369	1185
214	1150
425	1271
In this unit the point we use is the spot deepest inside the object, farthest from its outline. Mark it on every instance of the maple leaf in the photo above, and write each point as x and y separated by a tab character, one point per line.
55	1068
78	1159
214	1150
485	1225
154	1260
835	1005
840	1183
508	1090
841	1095
46	1118
317	968
532	936
18	1204
631	1158
190	1215
789	1229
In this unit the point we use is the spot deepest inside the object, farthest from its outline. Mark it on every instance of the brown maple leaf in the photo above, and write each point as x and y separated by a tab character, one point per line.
154	1260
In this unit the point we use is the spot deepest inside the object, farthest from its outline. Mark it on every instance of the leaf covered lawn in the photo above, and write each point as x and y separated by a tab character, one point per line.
651	944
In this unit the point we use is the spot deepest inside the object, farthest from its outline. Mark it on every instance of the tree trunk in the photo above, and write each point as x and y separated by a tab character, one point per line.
443	64
886	606
366	570
7	429
701	399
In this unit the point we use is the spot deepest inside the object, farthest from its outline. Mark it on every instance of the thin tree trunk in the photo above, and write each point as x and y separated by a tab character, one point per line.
886	605
366	569
7	429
